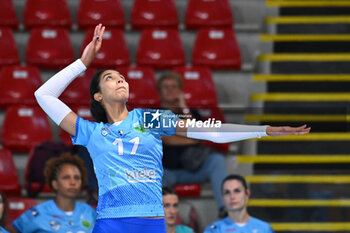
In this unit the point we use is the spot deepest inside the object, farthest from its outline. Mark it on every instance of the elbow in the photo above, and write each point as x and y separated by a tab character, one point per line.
37	94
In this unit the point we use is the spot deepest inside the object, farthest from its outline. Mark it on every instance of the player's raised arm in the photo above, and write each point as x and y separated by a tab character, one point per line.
47	95
235	132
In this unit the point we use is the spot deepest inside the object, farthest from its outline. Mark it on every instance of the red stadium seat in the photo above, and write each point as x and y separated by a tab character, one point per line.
8	48
16	206
188	190
217	49
198	87
8	16
49	48
9	183
214	114
48	13
78	91
160	49
18	84
82	111
204	13
150	13
24	127
93	12
114	51
141	79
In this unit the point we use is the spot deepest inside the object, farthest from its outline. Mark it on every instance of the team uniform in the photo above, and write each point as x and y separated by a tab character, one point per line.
254	225
47	217
2	230
183	229
127	158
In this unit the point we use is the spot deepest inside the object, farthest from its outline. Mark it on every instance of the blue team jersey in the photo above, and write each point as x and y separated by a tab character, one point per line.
183	229
127	160
47	217
2	230
254	225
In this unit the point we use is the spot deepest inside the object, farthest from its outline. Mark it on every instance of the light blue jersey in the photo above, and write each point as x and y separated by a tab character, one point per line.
254	225
47	217
127	160
183	229
2	230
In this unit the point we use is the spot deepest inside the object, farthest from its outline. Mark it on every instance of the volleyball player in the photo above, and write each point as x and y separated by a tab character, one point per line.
126	150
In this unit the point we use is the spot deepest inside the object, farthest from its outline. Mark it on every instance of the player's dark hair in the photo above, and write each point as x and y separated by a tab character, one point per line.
54	165
4	212
234	177
168	190
96	108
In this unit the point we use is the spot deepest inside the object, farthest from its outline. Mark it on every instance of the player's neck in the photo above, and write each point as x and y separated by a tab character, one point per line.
117	112
239	216
170	228
65	204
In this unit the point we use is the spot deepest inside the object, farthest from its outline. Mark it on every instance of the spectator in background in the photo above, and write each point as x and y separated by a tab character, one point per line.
66	176
186	160
171	211
235	194
2	212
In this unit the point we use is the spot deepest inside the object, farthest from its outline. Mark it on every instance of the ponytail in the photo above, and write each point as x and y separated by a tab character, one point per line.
96	108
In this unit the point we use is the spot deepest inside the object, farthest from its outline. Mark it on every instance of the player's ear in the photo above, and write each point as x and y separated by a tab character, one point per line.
248	193
98	97
54	184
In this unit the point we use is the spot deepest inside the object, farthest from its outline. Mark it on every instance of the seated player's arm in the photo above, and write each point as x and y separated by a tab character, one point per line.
11	229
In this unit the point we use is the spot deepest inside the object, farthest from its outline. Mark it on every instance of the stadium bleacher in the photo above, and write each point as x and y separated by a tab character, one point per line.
287	60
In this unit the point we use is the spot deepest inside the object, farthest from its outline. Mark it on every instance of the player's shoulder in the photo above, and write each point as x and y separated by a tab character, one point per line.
81	121
259	223
39	210
217	225
84	206
183	229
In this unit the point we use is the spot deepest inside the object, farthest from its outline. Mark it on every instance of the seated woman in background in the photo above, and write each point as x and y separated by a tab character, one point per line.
66	175
235	194
171	210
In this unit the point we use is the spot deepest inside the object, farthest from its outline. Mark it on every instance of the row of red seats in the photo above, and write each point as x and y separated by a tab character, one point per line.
144	13
26	126
18	83
51	48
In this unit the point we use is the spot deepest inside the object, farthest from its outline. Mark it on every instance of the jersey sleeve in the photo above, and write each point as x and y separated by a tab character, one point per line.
210	229
83	131
26	222
270	230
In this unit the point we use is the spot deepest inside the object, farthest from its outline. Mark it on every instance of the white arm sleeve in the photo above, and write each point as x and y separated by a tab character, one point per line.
47	95
227	132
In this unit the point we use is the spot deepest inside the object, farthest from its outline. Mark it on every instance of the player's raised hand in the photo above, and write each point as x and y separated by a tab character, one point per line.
287	130
94	46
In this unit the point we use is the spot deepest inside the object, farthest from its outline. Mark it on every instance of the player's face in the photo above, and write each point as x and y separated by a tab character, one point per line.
2	207
234	196
68	182
169	90
170	202
113	87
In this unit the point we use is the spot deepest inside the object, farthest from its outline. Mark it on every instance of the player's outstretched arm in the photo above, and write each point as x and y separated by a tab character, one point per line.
47	95
236	132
